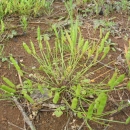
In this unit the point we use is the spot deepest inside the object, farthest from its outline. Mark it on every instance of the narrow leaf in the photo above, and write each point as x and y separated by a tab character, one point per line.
39	38
69	40
127	120
102	103
74	103
8	89
105	51
85	47
107	35
78	90
80	41
8	82
33	48
16	66
26	96
101	47
128	85
56	97
25	46
90	111
119	79
112	80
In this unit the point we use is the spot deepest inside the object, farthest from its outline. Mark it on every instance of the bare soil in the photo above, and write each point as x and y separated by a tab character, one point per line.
10	116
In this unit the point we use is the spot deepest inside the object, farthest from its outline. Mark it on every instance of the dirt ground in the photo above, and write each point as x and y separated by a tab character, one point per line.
10	116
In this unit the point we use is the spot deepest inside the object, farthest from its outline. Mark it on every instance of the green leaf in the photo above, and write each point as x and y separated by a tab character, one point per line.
2	26
26	96
79	114
46	37
41	88
27	84
56	97
78	90
89	52
119	79
48	46
80	42
84	92
107	35
62	107
97	101
27	49
96	56
101	47
55	30
112	80
70	41
16	66
58	113
90	111
85	47
7	89
102	103
4	59
85	81
8	82
39	38
74	103
128	85
105	51
74	88
33	48
41	68
127	120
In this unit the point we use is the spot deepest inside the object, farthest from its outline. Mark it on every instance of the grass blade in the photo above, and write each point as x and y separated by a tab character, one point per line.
7	89
16	66
6	80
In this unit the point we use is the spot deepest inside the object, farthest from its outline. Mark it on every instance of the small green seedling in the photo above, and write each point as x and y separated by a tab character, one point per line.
24	23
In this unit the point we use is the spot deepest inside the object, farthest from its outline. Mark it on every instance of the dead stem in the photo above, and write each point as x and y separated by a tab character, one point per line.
80	128
15	126
66	126
93	80
26	118
117	105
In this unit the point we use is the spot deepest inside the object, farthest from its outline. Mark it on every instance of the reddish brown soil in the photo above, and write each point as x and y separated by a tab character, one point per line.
10	116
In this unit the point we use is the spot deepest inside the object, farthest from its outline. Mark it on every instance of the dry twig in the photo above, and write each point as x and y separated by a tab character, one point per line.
26	118
15	126
81	126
